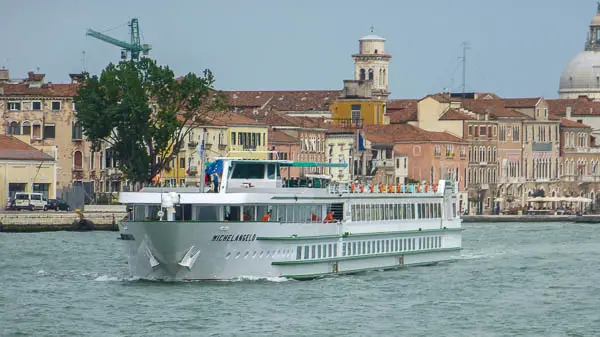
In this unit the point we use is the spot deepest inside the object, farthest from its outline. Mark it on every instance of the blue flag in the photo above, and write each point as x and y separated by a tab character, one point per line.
361	142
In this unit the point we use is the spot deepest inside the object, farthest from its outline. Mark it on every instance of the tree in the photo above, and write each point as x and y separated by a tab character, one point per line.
140	110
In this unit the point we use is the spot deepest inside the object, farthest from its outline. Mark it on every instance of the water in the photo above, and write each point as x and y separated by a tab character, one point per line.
514	280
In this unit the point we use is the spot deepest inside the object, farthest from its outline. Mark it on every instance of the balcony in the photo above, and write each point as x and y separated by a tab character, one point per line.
222	146
384	163
77	169
437	154
192	144
541	147
207	145
192	171
582	150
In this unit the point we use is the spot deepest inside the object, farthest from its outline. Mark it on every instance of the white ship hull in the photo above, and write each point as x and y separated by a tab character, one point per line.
222	250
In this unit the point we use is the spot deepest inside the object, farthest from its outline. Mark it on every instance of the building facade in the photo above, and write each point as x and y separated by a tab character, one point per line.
24	168
44	113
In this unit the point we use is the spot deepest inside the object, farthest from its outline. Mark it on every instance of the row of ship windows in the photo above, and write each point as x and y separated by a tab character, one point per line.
374	212
324	251
280	253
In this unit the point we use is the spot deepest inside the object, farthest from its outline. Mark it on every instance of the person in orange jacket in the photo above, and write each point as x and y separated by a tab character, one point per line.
267	216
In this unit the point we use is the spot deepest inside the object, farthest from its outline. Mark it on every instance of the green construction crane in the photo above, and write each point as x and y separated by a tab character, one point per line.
134	48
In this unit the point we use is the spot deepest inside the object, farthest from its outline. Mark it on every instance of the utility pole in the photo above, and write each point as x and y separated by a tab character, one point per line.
465	46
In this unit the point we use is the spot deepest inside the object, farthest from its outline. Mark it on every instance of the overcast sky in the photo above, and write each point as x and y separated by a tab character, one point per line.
518	48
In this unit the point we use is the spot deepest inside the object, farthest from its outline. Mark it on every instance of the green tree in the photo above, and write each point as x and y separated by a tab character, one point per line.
139	109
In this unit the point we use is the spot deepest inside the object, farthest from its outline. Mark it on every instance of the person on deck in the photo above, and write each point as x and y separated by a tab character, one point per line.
329	217
267	216
216	183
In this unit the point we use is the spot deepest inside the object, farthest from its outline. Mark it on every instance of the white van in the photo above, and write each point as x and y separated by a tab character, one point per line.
30	201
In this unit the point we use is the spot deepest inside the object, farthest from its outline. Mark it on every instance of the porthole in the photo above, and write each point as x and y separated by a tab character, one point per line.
237	255
228	255
254	254
246	255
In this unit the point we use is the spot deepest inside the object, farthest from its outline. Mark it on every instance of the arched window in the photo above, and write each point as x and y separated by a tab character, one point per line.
489	157
26	128
362	74
13	128
481	153
371	74
77	160
383	79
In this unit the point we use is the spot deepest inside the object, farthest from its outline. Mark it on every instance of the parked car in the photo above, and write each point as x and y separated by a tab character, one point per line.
30	201
58	205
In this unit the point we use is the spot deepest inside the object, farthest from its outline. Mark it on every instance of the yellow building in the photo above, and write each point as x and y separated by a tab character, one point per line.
358	106
225	135
24	168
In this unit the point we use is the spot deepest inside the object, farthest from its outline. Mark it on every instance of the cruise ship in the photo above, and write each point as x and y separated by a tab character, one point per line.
257	224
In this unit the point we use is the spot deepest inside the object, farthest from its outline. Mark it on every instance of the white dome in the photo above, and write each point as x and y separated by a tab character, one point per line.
582	74
372	37
596	20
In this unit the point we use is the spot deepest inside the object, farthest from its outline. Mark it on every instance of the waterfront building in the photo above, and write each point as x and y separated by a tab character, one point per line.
24	168
43	113
580	161
430	154
284	147
341	148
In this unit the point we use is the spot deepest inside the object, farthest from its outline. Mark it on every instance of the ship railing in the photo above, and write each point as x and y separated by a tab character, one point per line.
356	188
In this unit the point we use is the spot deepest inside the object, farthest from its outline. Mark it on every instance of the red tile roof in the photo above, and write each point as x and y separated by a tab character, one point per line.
407	133
402	110
566	123
46	90
579	106
455	115
520	102
297	100
14	149
276	136
226	118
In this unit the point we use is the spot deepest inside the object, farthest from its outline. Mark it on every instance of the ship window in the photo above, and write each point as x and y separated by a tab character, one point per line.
153	212
319	252
306	251
313	251
378	241
373	247
387	246
248	171
232	213
183	212
399	245
335	250
271	172
139	213
354	248
299	253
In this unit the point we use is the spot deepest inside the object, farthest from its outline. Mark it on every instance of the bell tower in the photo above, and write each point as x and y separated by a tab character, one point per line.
593	40
371	63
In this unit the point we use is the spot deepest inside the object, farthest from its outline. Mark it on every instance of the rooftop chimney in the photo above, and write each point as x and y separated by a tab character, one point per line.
4	75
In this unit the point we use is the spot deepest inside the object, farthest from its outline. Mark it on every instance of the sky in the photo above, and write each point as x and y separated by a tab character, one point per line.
517	48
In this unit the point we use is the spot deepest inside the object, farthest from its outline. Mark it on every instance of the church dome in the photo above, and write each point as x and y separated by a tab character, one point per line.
581	76
582	73
372	37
